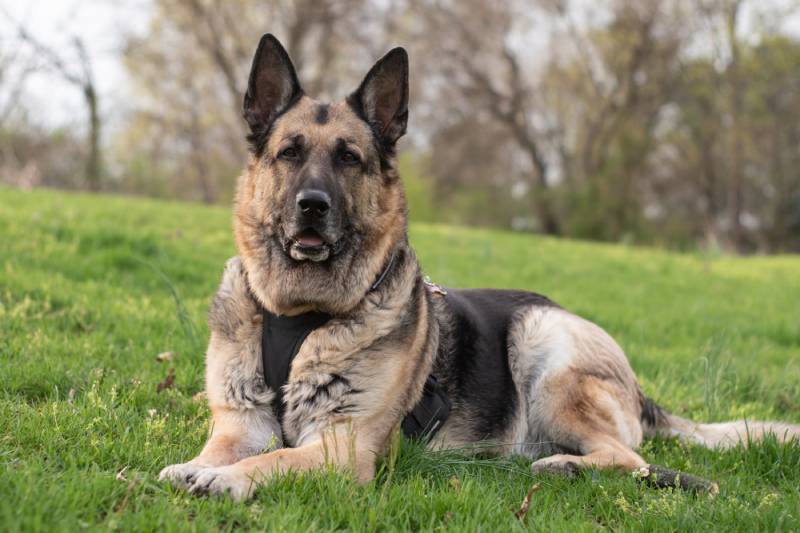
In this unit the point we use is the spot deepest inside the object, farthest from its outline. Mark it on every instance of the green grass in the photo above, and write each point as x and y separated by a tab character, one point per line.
92	288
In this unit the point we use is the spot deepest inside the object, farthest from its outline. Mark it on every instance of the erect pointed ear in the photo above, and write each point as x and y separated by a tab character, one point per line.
273	85
382	98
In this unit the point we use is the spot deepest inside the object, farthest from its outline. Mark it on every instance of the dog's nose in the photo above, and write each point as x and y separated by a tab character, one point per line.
313	202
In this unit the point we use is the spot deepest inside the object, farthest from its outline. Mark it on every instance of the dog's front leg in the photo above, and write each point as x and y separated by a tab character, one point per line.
235	434
242	422
338	446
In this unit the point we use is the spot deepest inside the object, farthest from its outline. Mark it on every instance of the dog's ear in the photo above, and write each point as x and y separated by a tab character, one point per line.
272	87
382	98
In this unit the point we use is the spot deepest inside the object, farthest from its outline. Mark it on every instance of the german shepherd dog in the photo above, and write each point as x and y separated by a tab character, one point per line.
321	229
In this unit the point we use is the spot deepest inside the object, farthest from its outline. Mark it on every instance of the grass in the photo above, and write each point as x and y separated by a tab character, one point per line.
92	288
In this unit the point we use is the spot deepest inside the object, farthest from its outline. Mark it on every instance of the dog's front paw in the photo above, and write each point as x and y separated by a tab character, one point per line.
224	480
181	475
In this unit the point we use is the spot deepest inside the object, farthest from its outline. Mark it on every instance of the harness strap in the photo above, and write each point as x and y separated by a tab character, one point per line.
430	413
281	339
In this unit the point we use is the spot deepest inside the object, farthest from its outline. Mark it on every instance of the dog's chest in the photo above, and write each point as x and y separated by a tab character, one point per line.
314	401
325	372
315	396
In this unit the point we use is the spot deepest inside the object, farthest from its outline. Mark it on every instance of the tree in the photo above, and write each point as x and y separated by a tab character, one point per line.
575	126
609	90
82	77
478	76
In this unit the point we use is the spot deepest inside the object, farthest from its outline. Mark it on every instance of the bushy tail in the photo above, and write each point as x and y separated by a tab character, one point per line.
657	421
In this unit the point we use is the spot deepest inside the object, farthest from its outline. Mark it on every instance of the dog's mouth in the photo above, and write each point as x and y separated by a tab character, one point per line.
310	245
308	239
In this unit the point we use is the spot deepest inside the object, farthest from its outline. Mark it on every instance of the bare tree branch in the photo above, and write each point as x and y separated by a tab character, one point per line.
83	79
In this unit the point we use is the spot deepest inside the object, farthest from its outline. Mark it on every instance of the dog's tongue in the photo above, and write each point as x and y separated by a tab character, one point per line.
309	238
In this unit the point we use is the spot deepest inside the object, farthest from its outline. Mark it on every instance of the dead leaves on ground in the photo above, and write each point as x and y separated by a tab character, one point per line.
169	381
163	357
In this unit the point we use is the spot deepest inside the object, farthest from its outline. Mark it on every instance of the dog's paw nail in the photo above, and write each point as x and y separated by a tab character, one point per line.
197	488
202	481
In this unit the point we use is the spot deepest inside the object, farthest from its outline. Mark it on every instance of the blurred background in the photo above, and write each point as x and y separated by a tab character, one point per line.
674	122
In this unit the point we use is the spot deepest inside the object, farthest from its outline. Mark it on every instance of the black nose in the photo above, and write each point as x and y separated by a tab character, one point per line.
313	202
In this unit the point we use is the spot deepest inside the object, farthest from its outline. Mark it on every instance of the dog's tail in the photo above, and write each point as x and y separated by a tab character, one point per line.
658	421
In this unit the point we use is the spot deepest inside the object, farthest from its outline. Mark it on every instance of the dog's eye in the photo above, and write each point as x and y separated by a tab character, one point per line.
348	157
289	153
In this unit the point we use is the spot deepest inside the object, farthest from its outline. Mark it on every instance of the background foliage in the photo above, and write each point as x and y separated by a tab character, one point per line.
669	122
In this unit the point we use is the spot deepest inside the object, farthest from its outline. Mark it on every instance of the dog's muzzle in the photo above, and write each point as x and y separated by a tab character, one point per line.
309	245
313	233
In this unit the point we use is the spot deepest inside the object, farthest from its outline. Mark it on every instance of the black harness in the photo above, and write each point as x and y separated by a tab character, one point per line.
281	339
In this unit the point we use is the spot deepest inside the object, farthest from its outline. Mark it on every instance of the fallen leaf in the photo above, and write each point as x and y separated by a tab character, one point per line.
526	503
165	356
168	382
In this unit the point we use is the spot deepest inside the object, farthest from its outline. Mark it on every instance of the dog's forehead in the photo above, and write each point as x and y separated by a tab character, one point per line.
321	124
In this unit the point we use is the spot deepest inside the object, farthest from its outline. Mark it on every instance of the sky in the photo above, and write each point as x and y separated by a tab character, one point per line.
101	24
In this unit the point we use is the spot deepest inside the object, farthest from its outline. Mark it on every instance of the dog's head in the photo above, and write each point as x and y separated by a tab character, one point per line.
320	206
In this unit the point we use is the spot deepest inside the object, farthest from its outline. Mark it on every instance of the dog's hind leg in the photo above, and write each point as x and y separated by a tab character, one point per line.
578	394
584	414
589	420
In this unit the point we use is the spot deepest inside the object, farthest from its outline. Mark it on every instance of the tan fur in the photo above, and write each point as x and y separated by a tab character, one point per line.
584	395
348	347
340	347
355	378
345	355
259	191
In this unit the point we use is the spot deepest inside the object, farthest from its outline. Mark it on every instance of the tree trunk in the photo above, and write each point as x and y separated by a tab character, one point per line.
709	191
547	217
94	168
550	223
736	89
199	162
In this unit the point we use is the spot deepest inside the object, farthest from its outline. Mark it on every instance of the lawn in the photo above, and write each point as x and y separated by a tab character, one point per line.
93	288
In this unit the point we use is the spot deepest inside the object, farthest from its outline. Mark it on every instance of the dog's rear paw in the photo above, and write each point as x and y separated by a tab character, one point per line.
181	475
555	464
